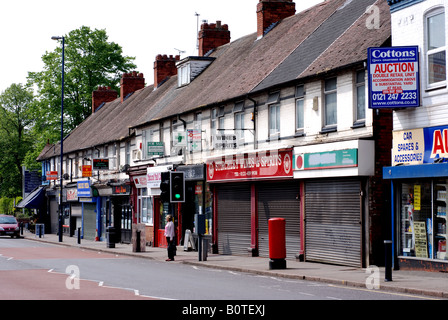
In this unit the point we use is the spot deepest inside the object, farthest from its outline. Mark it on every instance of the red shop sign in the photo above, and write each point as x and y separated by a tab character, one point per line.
249	166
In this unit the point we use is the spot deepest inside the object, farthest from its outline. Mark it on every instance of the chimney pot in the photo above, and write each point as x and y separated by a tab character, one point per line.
131	82
102	95
212	36
164	67
272	11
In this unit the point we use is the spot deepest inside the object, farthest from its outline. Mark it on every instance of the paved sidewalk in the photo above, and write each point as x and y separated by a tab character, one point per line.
410	282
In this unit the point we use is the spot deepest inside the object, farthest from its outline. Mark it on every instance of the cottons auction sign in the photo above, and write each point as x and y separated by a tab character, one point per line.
394	78
260	165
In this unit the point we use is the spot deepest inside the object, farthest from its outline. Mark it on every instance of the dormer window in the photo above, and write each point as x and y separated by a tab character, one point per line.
190	68
183	75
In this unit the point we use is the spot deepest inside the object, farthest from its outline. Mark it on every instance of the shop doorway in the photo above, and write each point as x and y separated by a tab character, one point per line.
122	213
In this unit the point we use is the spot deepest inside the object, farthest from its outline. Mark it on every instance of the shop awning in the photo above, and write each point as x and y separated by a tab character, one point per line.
34	199
416	171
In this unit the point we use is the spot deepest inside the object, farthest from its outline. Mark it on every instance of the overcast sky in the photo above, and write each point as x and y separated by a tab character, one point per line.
143	28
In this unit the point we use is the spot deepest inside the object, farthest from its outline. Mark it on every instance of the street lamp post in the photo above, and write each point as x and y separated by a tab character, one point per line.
62	137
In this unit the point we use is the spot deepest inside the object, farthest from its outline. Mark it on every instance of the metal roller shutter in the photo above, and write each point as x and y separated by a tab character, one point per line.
279	200
234	219
89	221
333	222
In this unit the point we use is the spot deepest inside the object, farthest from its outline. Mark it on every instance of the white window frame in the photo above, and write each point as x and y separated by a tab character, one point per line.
328	93
429	52
360	86
300	109
144	200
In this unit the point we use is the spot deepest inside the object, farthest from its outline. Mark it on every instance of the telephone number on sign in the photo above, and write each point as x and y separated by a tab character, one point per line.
394	96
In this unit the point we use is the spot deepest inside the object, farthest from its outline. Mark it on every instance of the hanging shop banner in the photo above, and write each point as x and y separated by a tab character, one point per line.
419	146
394	78
248	166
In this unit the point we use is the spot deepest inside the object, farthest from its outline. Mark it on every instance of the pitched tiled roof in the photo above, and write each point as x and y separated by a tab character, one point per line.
338	41
327	36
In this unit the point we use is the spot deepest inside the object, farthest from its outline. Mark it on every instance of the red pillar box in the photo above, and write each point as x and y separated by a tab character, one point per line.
277	243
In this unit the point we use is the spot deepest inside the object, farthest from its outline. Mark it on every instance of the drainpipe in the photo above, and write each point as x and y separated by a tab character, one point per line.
183	121
255	122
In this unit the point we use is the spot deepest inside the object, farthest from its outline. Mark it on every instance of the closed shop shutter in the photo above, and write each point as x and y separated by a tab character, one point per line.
333	222
279	200
89	221
234	219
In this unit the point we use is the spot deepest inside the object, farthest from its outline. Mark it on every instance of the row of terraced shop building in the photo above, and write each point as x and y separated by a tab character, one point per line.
274	124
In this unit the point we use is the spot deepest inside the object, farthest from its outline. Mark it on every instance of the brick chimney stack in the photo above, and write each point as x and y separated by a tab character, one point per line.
102	95
271	11
164	67
131	82
212	36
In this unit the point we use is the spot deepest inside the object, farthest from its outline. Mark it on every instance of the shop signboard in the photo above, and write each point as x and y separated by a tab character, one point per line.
121	190
420	146
72	194
87	171
100	164
394	78
408	147
155	149
248	166
179	139
52	175
84	190
194	137
327	160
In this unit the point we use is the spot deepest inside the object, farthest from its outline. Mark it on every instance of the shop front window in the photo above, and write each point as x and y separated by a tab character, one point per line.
145	208
422	224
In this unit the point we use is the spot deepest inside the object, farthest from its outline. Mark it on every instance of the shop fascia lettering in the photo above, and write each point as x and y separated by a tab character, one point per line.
249	162
440	144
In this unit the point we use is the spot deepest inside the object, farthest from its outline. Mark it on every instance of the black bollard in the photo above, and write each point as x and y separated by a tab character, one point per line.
79	235
388	260
137	244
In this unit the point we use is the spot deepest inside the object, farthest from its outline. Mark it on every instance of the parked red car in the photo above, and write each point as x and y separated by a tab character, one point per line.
9	226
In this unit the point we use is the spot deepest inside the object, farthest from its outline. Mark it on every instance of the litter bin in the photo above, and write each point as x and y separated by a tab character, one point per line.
110	235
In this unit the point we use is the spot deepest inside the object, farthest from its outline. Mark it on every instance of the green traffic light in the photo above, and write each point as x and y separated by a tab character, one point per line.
177	196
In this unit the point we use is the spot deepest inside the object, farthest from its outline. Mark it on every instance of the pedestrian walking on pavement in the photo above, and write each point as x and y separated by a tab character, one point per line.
169	234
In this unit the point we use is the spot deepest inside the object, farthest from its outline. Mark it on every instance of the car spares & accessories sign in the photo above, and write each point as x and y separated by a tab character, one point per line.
394	77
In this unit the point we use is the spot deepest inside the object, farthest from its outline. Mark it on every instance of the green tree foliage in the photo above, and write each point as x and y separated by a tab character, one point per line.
90	61
16	121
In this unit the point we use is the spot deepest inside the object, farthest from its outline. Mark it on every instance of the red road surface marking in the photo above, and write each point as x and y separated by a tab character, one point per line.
44	285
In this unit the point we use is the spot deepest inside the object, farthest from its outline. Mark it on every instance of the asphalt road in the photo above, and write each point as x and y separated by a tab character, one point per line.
38	271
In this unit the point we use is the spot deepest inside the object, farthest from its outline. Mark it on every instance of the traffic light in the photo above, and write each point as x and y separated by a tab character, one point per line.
177	187
165	187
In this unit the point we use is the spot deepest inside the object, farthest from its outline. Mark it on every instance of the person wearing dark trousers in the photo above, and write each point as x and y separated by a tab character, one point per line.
169	234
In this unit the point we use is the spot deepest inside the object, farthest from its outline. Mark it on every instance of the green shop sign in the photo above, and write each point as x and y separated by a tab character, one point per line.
155	149
331	159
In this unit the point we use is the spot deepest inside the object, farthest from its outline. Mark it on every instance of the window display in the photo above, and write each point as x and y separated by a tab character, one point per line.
423	230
